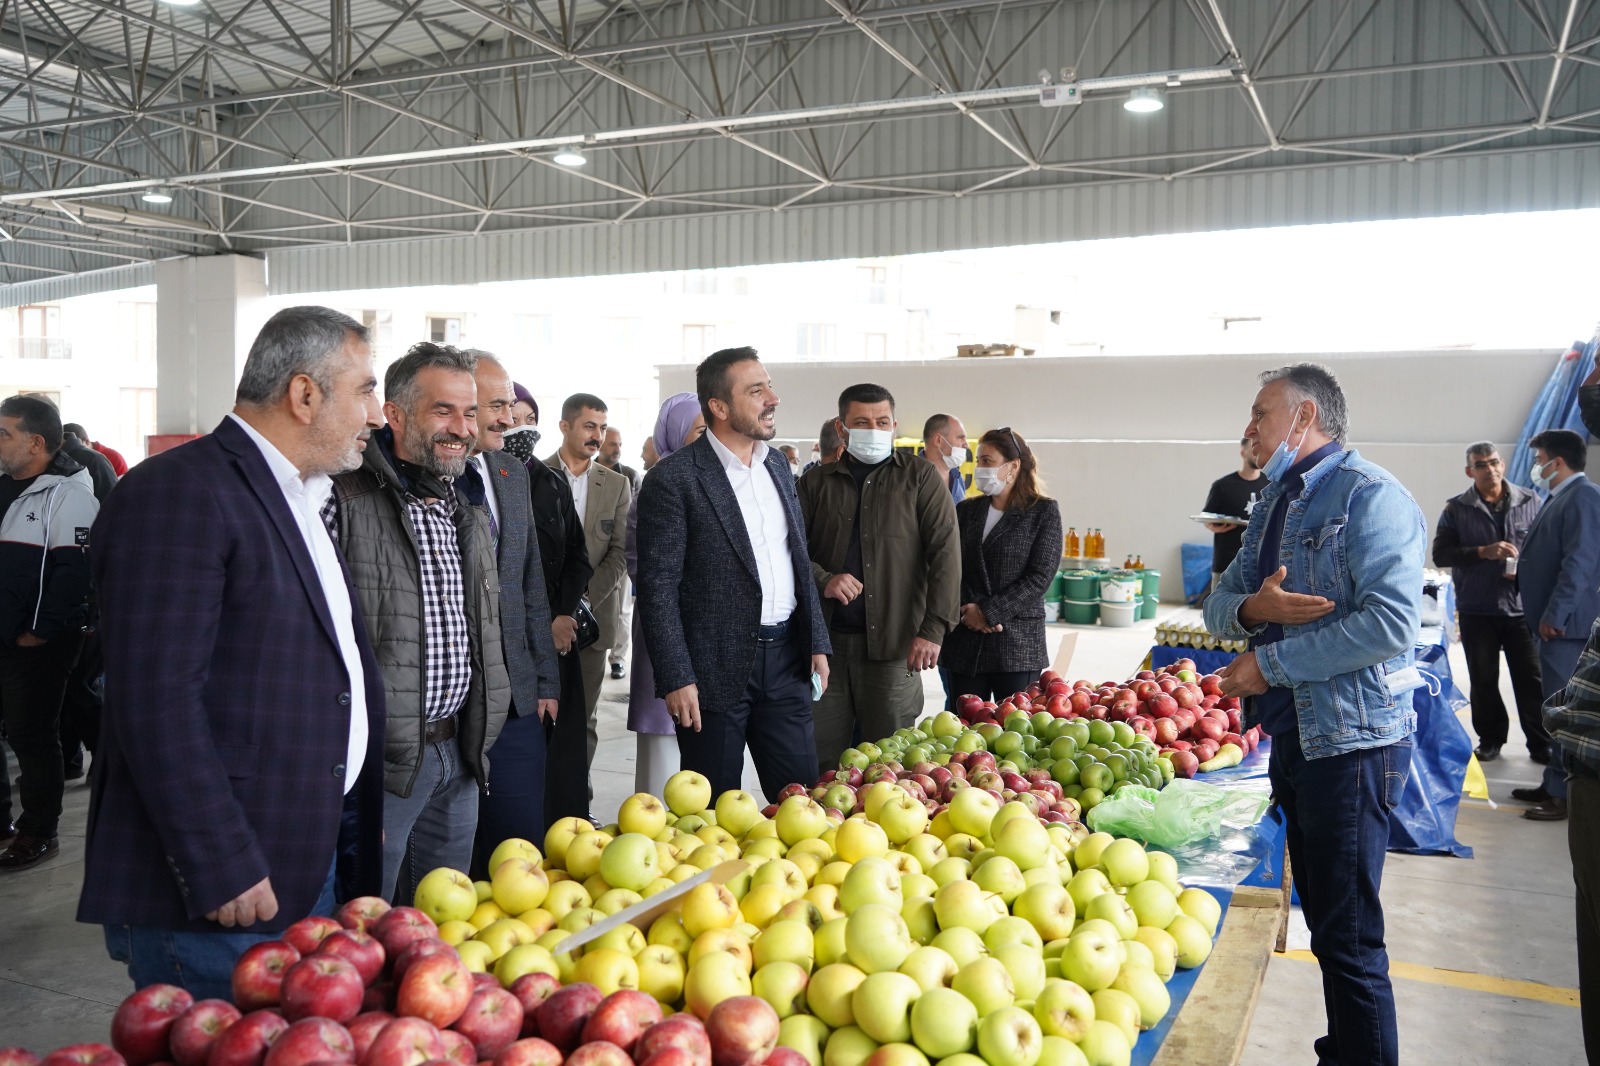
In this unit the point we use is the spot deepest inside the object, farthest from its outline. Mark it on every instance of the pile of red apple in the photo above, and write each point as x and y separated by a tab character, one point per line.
1185	714
379	988
933	786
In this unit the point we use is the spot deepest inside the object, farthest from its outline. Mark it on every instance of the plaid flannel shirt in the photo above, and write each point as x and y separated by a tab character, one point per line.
447	660
1573	715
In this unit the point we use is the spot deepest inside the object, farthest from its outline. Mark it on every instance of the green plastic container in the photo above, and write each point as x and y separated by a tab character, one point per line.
1081	585
1147	607
1152	582
1053	594
1080	612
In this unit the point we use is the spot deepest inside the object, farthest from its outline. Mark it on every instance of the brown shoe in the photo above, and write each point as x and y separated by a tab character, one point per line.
1551	810
26	852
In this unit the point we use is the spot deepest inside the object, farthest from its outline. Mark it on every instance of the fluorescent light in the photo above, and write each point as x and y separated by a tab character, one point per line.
1143	101
181	3
570	157
157	196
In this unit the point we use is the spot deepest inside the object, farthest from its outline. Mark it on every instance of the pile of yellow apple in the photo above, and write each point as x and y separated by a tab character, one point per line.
979	935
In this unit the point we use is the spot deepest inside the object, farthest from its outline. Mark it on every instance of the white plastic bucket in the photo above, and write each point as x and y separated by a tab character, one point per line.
1119	586
1118	614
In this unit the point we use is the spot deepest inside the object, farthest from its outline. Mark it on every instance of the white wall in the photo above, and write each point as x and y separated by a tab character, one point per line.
1131	445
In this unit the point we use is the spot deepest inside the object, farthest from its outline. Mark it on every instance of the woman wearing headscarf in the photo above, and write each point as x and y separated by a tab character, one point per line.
678	423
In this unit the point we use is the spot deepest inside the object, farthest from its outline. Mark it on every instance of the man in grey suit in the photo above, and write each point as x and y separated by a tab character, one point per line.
602	498
497	482
731	616
1557	575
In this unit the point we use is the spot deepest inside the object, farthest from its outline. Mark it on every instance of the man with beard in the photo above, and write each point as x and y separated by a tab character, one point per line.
244	711
731	619
424	568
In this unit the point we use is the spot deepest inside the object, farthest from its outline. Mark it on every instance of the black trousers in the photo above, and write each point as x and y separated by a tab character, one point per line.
80	709
1583	840
993	685
1484	637
773	718
32	684
513	805
566	766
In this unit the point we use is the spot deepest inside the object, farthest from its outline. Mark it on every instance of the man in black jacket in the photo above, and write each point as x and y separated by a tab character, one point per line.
1479	537
732	619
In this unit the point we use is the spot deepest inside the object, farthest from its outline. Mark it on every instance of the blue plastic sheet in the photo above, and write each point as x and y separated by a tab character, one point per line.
1424	823
1196	572
1556	407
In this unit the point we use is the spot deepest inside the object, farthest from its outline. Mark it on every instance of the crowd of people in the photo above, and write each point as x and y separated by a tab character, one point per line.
337	642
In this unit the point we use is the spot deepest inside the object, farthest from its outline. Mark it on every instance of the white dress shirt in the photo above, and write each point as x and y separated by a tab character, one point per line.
580	488
768	526
305	497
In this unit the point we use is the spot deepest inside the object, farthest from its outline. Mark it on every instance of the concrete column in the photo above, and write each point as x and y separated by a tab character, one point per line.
208	310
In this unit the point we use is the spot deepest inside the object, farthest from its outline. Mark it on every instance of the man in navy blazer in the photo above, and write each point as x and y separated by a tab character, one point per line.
732	620
1557	574
243	707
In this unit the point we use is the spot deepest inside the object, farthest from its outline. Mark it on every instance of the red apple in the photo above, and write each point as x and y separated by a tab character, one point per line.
322	986
378	997
1184	763
1145	688
1209	729
1211	685
599	1053
246	1041
1163	706
791	789
493	1021
361	912
484	980
415	951
400	926
1181	745
17	1056
563	1016
365	1029
311	1040
307	933
197	1029
531	990
404	1042
357	948
458	1049
674	1056
258	975
968	703
530	1051
83	1055
681	1032
436	989
141	1027
622	1018
785	1056
743	1031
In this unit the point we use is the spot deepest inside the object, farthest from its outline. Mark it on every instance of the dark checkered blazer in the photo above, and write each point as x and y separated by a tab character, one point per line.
1006	575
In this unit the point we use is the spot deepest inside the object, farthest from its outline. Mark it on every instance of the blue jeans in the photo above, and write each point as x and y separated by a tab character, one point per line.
1336	810
433	826
200	963
1557	660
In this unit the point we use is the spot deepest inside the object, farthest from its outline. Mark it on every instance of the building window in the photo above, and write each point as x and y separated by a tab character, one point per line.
814	340
698	342
39	334
535	335
136	419
444	329
138	325
380	332
875	346
874	284
714	283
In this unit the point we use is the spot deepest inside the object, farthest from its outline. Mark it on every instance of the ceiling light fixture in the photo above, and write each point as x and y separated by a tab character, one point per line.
181	3
570	157
157	195
1143	101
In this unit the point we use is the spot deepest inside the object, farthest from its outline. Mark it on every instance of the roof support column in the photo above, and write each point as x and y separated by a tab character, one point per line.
208	310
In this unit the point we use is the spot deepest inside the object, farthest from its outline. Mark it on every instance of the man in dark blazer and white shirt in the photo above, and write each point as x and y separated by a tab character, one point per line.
732	619
244	709
513	804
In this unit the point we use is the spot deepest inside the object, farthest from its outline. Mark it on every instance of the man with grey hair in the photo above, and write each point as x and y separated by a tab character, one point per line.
1327	588
243	724
424	568
1479	538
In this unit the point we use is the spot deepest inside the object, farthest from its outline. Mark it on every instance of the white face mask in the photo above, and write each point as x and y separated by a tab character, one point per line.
794	468
1540	479
871	446
956	457
989	481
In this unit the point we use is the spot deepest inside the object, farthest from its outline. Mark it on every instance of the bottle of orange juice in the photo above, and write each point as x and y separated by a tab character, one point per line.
1138	562
1072	543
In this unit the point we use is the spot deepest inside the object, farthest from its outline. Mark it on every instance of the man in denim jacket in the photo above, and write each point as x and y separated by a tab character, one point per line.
1327	588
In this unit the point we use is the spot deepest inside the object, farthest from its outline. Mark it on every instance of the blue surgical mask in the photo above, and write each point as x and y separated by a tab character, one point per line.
871	446
1540	480
1283	458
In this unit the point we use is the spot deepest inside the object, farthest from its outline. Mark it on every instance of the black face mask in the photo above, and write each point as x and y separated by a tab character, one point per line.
520	443
1589	408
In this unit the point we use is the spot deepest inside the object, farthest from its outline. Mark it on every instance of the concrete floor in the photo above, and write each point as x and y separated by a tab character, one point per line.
1462	931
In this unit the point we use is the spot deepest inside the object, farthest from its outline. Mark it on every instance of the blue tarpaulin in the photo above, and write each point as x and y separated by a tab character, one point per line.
1424	823
1556	408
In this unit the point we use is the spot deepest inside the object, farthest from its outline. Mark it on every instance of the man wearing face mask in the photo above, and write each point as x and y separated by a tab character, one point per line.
1327	588
1556	575
886	558
944	444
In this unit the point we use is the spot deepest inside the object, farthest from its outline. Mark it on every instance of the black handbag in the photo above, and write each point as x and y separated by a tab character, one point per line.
588	633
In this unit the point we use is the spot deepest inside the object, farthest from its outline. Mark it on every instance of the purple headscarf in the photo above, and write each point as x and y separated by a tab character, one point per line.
678	413
521	392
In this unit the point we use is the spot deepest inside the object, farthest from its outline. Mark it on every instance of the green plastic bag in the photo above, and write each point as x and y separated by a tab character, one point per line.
1185	812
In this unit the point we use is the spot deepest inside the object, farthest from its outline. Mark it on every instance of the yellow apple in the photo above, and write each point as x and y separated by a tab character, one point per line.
561	834
668	930
782	873
770	847
762	903
583	854
564	896
476	955
805	1034
708	906
642	813
617	899
801	910
832	873
453	933
786	941
830	992
485	890
858	838
687	792
714	978
737	812
783	985
727	941
539	920
826	899
661	973
523	959
513	848
519	885
624	938
608	970
446	895
578	919
505	934
829	942
486	914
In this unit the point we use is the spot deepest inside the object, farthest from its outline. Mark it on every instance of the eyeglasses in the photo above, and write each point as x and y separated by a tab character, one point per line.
1488	464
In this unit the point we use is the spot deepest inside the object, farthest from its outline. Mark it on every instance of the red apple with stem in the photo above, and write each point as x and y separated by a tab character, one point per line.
563	1016
246	1041
308	932
83	1055
197	1028
141	1027
311	1040
435	989
529	1051
743	1031
531	990
322	986
359	949
365	1029
492	1021
361	912
258	975
405	1042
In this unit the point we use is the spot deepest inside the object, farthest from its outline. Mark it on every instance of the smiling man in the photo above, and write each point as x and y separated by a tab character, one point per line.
424	569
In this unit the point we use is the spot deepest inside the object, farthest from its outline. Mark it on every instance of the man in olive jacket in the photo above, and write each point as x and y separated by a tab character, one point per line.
424	569
886	558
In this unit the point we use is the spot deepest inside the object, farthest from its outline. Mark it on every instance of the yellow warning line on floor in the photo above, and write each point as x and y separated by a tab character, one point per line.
1473	982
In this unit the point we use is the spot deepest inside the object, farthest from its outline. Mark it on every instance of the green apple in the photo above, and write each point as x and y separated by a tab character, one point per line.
961	944
642	813
1120	1009
1009	1037
897	1055
626	938
687	793
828	994
1147	990
944	1022
967	905
802	911
875	795
513	847
848	1047
1048	908
689	825
1110	907
829	942
1000	876
661	973
1008	813
737	811
1164	868
922	920
902	817
1092	959
1153	904
1026	966
806	1034
927	849
781	873
971	810
608	969
630	861
917	884
881	1006
708	906
1194	943
1202	906
826	899
987	983
1064	1008
447	895
1088	851
876	939
524	959
1055	1051
858	838
1024	841
786	941
1085	885
800	818
930	967
1124	862
962	1059
1163	950
1012	930
1105	1044
871	881
783	985
1135	953
950	868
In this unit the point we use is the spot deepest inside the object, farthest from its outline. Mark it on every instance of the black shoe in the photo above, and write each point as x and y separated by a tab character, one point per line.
8	832
616	671
1540	755
26	852
1487	752
1551	810
1531	795
72	773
